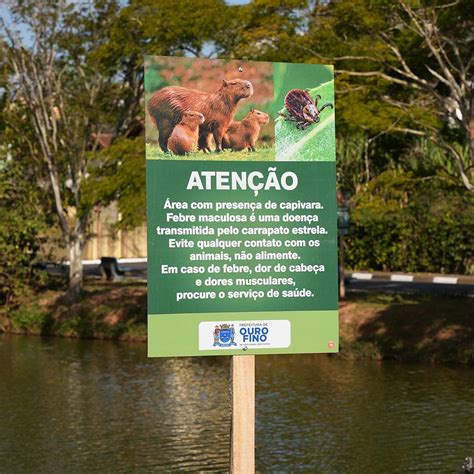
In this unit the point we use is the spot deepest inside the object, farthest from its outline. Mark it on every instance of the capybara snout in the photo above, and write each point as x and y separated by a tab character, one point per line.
261	117
193	118
242	89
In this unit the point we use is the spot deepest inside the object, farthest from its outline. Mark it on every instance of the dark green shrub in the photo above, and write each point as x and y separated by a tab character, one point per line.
402	223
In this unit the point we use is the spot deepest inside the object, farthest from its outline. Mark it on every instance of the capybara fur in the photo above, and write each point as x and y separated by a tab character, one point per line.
167	106
244	135
184	137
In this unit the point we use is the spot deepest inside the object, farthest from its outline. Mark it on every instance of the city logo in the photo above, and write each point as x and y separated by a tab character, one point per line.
254	334
224	335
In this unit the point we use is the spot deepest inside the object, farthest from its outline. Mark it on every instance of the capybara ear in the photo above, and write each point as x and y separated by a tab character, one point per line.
224	83
252	111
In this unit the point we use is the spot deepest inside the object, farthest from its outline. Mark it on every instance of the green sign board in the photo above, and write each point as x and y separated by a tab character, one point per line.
241	208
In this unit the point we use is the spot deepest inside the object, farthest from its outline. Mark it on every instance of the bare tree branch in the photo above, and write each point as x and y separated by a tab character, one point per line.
446	87
380	74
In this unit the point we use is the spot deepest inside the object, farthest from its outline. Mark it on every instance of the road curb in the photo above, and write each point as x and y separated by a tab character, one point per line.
412	277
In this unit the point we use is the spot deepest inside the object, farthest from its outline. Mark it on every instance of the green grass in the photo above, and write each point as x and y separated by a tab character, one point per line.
154	152
105	311
29	320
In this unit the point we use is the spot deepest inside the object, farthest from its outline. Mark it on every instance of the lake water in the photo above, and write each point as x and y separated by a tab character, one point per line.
98	406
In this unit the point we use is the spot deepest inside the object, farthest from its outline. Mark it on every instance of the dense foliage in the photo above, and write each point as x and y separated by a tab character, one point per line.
22	225
119	175
406	223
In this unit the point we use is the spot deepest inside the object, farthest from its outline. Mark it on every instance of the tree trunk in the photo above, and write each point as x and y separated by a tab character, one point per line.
75	248
471	136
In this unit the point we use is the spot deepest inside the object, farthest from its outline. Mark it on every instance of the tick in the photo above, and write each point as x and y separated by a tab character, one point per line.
302	109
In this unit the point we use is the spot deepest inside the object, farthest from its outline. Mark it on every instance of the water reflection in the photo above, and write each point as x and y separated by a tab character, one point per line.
80	406
326	415
72	405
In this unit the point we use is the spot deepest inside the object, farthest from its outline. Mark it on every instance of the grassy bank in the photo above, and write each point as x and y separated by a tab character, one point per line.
105	311
372	326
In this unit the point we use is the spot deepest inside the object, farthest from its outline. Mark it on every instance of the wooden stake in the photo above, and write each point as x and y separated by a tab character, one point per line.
342	284
242	455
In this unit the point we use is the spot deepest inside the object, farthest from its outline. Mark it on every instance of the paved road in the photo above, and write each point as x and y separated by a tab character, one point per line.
139	270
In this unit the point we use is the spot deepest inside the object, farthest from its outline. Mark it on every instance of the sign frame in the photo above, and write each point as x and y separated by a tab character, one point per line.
234	310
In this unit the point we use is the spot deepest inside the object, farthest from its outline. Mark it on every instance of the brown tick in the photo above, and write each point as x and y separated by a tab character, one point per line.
302	109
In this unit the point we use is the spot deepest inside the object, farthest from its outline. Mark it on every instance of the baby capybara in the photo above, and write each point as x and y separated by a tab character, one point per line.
243	135
184	138
166	107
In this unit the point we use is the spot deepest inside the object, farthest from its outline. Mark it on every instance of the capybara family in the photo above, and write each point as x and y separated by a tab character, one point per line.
167	106
243	135
184	137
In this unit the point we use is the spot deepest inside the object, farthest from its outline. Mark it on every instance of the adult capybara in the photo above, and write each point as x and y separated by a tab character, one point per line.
243	135
166	107
184	137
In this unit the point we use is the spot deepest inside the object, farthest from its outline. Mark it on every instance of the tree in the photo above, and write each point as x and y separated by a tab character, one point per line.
265	30
59	104
121	178
406	67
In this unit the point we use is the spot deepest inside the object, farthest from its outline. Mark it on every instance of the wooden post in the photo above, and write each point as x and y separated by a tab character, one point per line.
342	285
242	455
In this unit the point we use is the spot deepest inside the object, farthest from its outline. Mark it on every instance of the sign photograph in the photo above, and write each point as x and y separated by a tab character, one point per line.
241	207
